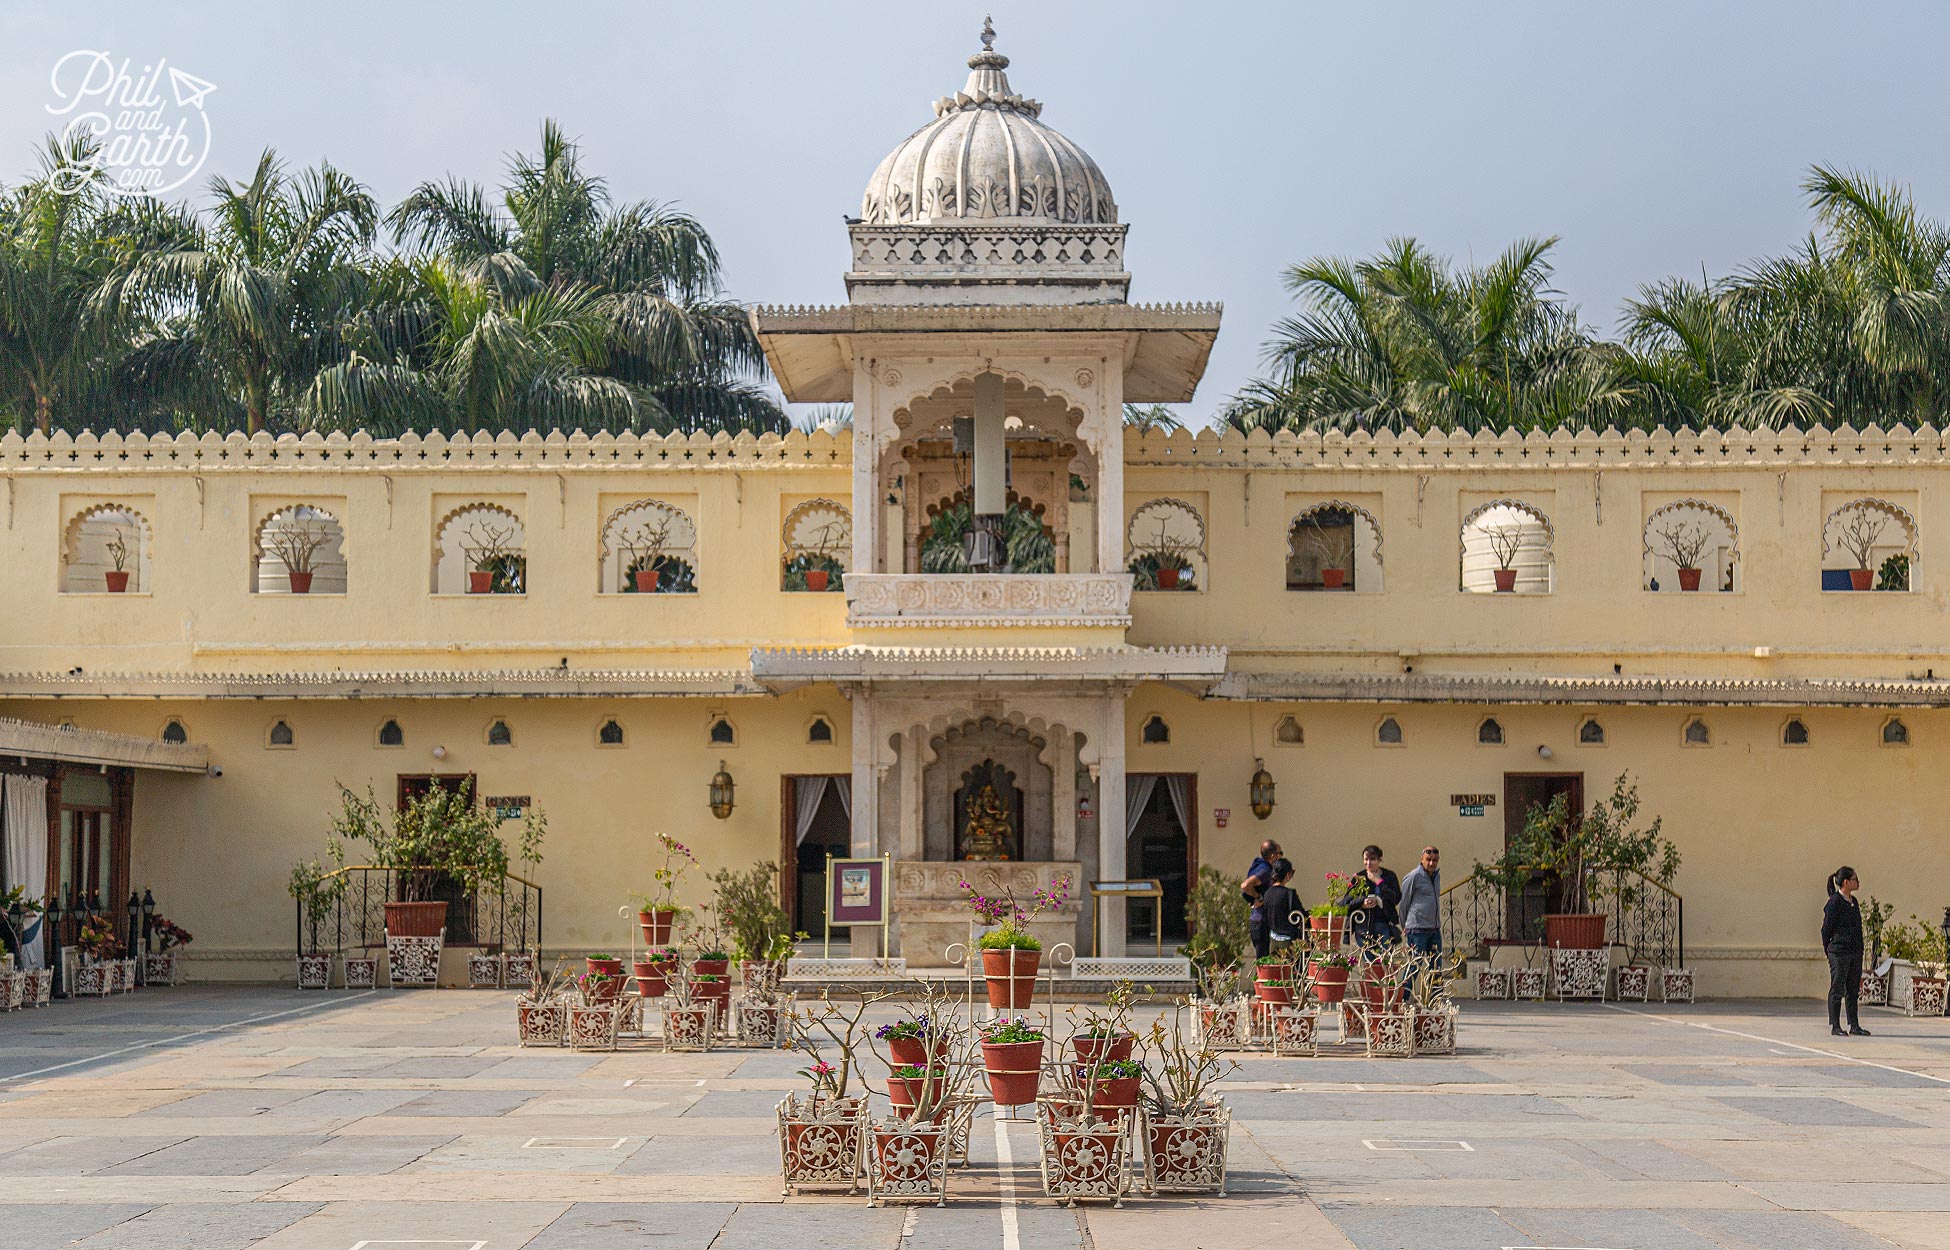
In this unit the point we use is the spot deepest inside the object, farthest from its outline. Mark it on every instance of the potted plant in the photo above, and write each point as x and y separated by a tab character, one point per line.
657	910
1332	576
1327	922
1164	562
910	1043
1012	1056
1894	573
542	1008
822	1136
748	908
1858	537
317	890
1011	955
1183	1125
815	565
117	578
1505	542
652	972
1084	1132
1273	979
1684	544
159	966
296	544
643	551
1106	1035
1588	858
602	978
495	566
690	1010
1329	976
1426	979
1915	943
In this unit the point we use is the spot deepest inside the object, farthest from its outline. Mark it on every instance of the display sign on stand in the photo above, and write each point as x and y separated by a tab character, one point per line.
1143	887
856	895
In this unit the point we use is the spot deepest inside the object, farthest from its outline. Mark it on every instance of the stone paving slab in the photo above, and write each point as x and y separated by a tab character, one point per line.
200	1226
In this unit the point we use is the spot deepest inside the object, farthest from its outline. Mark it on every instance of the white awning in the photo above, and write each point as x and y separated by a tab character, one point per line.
38	740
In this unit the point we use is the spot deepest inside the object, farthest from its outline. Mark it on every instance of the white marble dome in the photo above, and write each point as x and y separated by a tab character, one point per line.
987	157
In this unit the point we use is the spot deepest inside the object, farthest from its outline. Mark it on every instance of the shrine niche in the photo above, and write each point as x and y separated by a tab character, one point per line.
986	794
989	810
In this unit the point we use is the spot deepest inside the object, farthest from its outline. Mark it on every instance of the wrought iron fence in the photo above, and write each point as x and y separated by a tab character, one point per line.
346	910
1644	917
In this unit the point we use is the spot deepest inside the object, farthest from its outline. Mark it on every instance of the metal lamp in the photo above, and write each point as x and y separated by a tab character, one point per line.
1261	791
135	923
148	919
721	793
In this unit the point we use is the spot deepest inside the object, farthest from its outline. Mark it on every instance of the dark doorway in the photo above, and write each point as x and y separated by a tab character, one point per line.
1161	847
803	863
1522	792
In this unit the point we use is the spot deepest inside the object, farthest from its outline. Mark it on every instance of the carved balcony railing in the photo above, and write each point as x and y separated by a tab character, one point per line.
881	600
1645	918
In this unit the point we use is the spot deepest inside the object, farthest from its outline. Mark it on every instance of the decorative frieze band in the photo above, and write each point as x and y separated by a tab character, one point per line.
1008	599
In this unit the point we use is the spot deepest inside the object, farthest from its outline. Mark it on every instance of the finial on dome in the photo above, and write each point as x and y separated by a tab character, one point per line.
988	33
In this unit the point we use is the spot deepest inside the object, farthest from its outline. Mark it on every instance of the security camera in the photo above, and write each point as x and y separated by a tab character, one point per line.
214	771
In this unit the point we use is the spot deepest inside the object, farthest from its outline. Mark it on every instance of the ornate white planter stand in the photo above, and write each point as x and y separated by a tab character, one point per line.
1493	983
1676	985
15	984
821	1143
1222	1025
758	1024
1186	1155
1390	1032
1874	991
688	1028
483	971
1925	996
908	1162
541	1024
1579	973
519	971
40	987
91	981
413	962
1528	983
1084	1157
1634	982
314	972
159	968
1296	1030
592	1026
120	978
1435	1030
361	972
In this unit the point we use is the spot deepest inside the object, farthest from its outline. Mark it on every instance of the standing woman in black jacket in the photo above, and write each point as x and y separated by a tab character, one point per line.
1841	937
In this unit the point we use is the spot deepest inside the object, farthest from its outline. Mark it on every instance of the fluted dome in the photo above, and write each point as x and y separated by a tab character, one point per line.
987	156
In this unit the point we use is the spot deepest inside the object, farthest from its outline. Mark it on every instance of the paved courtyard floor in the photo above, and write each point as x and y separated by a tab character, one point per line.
204	1118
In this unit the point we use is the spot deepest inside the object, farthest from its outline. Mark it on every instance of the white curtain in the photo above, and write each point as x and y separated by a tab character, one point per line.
1138	788
23	802
806	795
1179	787
845	786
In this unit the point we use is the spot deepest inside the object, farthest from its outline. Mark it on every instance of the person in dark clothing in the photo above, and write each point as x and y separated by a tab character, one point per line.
1279	903
1253	890
1841	937
1373	915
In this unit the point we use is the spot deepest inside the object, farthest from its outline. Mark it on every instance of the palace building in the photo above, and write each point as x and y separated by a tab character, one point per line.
986	630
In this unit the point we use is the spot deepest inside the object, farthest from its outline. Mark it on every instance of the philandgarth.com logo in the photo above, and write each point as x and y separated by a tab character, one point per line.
140	139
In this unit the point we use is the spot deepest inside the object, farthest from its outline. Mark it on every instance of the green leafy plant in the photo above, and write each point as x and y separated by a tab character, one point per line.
1601	853
748	907
1217	918
1916	942
1029	547
1894	573
439	834
317	887
1010	916
669	875
1004	1031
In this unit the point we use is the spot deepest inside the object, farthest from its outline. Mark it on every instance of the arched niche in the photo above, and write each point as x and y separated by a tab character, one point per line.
294	540
1690	534
958	755
648	536
1027	535
1508	534
1165	546
817	542
1869	544
480	548
1334	545
104	549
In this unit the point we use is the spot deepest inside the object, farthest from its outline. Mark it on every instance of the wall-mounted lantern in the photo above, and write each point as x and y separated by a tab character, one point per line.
1261	791
721	793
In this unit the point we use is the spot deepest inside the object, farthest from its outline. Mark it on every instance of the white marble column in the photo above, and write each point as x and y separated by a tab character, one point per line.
1110	822
912	845
1063	796
866	496
866	779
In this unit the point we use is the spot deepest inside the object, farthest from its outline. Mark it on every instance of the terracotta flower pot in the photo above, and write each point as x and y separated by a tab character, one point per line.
1565	932
118	581
1689	579
914	1052
1114	1092
711	967
1330	984
1011	976
416	919
1104	1049
652	980
646	580
479	581
1861	579
1506	580
1273	991
818	579
610	967
1014	1070
906	1092
300	582
1333	579
655	925
1168	578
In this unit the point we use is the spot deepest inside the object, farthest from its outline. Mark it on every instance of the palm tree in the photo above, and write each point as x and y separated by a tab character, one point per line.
57	243
236	318
620	316
1399	342
1151	419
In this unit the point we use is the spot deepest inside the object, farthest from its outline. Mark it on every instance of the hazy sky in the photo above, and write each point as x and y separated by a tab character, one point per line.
1238	137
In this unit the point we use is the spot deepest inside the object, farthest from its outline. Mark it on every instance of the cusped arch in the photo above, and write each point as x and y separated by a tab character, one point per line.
943	727
89	543
1853	531
817	542
1164	534
1486	551
1726	571
292	535
457	551
662	539
1308	559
